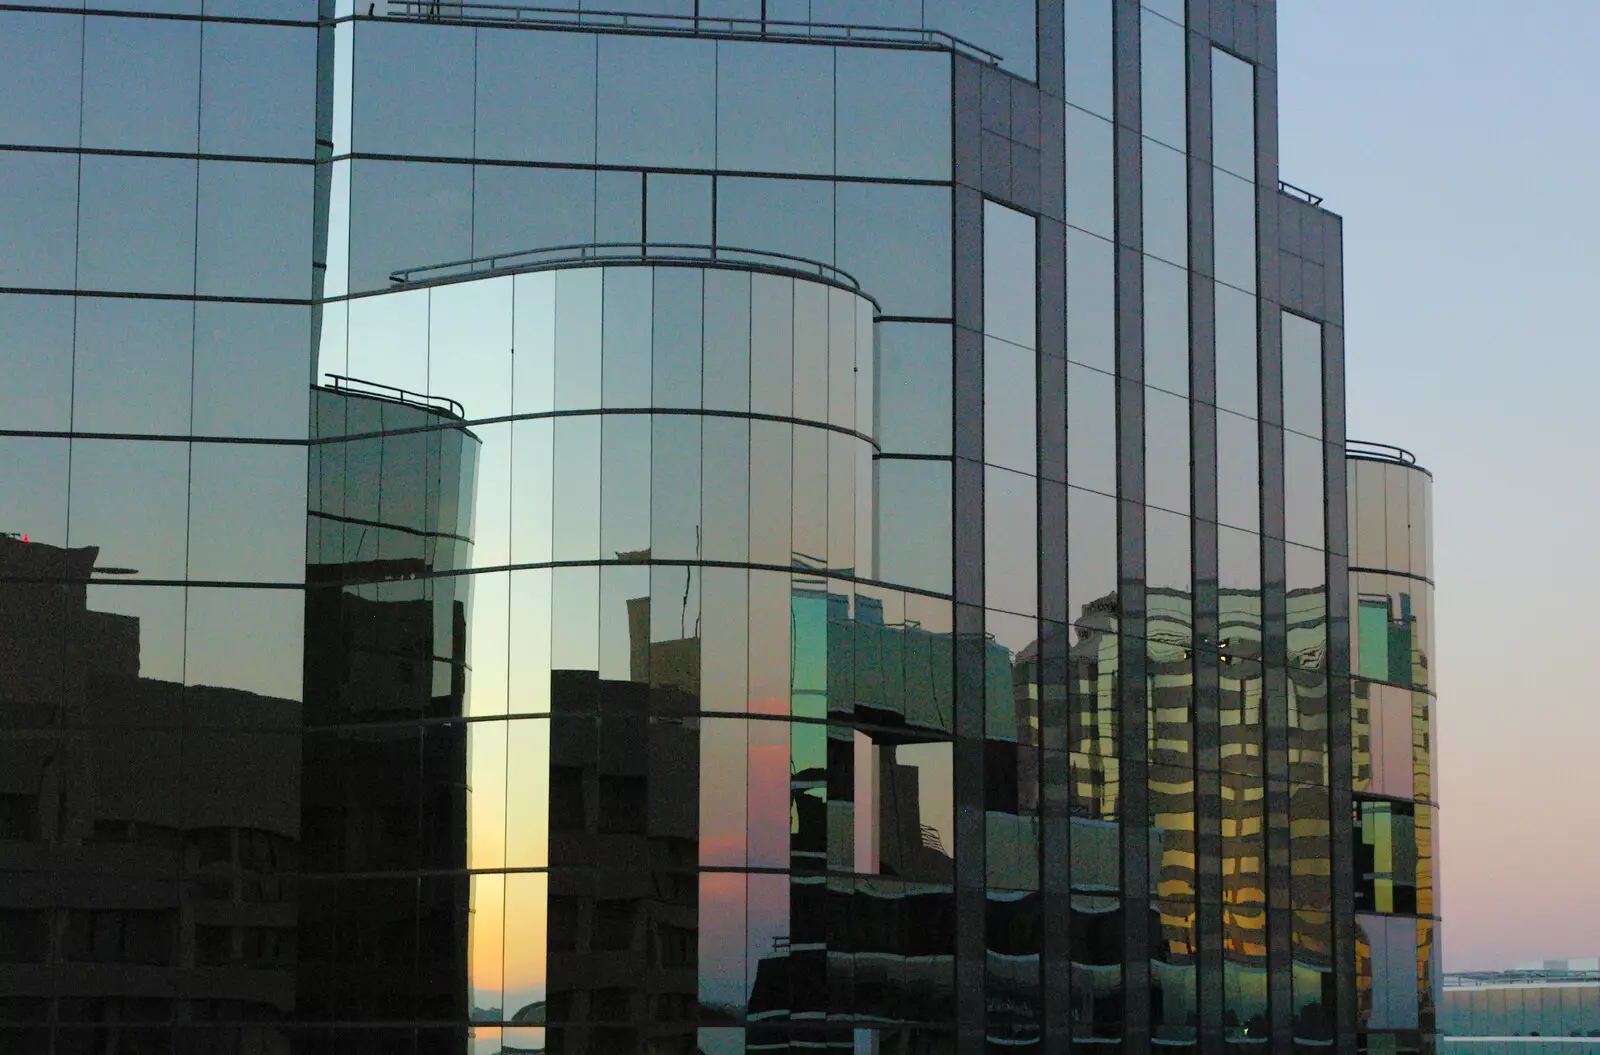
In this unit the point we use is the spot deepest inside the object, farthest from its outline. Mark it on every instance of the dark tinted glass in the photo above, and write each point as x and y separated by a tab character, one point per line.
132	365
131	500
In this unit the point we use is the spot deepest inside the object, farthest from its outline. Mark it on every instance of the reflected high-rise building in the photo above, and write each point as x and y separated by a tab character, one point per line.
681	527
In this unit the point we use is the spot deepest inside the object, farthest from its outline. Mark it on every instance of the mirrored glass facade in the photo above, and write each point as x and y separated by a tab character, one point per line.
1392	705
687	526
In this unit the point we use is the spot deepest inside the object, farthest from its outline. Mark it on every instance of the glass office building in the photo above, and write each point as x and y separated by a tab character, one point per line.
679	526
1541	1008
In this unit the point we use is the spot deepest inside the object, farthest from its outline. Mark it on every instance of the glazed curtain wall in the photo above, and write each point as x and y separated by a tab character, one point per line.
1392	708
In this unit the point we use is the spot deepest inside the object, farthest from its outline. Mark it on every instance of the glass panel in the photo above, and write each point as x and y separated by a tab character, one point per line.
530	619
1166	204
527	914
1010	394
1011	543
136	224
626	337
676	369
33	491
771	345
514	209
899	97
1236	350
895	240
1233	114
157	614
141	84
1238	472
810	351
914	523
1302	375
914	388
775	215
1091	301
1091	556
1091	183
579	317
726	349
548	118
36	332
1167	564
38	241
1303	489
624	486
251	492
775	107
657	102
251	366
413	89
1009	286
254	230
42	78
725	603
1089	55
721	954
1092	429
1163	98
576	494
675	488
724	753
771	464
1166	326
250	640
438	227
388	340
1166	450
678	208
810	505
132	365
1234	201
258	90
131	500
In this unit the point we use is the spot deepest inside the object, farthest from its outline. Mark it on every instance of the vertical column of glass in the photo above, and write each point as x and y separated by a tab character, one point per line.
1093	604
1011	598
1392	702
152	471
1169	579
1233	100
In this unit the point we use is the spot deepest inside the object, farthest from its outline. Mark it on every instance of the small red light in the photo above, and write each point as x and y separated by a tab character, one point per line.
25	537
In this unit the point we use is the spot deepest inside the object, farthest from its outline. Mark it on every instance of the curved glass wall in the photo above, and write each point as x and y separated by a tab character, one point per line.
1392	704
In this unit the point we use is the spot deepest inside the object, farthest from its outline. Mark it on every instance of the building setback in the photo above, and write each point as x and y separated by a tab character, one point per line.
768	525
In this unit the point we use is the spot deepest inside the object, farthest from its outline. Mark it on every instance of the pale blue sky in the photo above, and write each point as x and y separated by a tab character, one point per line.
1461	144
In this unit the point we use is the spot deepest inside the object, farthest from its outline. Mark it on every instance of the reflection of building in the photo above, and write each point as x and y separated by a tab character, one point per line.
149	830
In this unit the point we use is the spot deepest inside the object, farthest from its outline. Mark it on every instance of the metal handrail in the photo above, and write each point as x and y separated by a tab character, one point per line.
613	252
1299	192
690	25
1378	452
356	385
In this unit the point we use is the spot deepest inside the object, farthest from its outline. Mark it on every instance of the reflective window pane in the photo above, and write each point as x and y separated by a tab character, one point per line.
254	230
131	500
41	78
258	90
548	118
36	332
895	240
1235	226
1091	185
1166	326
773	215
33	490
657	102
1233	114
247	512
1166	450
1091	429
1009	286
775	107
1166	204
1089	55
1010	394
914	523
136	224
1091	301
1011	545
1163	98
250	640
1007	27
141	84
1236	350
413	89
132	365
438	227
1303	489
515	209
36	242
1238	472
1302	375
678	209
892	97
914	388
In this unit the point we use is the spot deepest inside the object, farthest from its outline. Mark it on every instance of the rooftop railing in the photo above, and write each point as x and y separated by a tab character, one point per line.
598	253
1299	192
1379	452
689	25
359	387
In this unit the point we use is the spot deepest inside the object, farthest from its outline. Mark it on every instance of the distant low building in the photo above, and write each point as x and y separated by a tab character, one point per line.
1549	1007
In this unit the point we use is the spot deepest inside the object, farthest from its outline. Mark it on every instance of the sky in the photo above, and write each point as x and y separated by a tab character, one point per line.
1460	143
